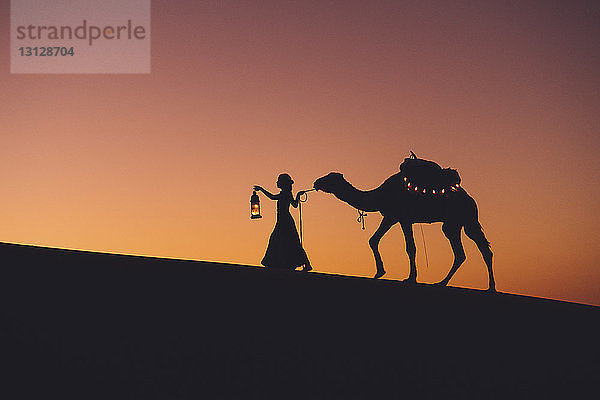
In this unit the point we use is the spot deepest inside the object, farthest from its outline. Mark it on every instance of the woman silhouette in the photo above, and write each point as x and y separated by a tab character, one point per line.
284	250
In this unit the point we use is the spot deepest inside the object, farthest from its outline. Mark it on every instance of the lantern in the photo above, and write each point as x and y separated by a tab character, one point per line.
255	206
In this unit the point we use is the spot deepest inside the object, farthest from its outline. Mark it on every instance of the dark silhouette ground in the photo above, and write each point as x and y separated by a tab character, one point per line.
86	325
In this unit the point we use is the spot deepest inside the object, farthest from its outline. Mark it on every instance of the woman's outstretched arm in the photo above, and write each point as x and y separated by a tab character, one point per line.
266	192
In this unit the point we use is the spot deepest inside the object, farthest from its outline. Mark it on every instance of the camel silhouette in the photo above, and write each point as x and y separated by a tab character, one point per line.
400	202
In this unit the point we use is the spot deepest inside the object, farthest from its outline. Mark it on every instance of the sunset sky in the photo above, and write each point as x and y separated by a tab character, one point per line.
162	164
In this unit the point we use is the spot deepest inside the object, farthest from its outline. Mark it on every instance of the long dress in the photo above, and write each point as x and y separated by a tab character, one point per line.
284	250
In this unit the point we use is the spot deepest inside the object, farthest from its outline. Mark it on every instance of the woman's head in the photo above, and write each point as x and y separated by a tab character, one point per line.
284	182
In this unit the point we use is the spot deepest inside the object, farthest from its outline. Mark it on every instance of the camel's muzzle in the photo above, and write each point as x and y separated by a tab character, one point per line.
318	185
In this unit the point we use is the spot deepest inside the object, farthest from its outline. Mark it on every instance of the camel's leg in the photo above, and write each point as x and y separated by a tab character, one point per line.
411	250
452	232
475	232
384	226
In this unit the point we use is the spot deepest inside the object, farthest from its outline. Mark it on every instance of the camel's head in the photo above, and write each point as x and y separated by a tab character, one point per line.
329	182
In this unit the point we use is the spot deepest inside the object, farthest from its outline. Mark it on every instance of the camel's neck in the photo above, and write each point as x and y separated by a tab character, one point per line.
359	199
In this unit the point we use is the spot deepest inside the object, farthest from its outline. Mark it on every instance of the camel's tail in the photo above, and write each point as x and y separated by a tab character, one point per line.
475	232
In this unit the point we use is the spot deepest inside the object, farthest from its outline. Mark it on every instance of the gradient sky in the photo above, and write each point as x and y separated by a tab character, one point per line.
507	92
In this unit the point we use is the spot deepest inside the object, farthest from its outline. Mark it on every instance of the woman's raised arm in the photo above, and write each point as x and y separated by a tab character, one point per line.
267	193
